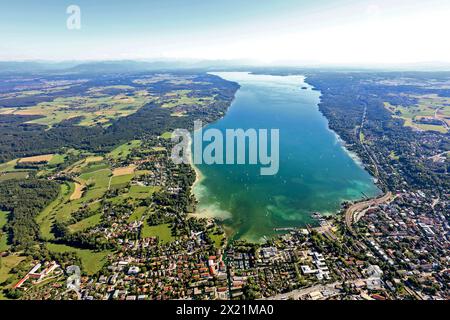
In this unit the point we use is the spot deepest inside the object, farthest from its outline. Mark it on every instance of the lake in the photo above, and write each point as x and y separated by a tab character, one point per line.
316	173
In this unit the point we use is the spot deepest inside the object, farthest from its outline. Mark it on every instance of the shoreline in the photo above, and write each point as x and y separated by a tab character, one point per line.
209	212
198	174
204	214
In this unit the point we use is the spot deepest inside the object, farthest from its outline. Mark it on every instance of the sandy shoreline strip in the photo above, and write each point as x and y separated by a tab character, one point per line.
204	213
198	173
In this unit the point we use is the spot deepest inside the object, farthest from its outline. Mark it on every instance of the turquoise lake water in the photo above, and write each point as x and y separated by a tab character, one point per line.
316	173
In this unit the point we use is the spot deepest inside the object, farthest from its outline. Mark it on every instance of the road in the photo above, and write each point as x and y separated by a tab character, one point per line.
297	294
357	207
375	166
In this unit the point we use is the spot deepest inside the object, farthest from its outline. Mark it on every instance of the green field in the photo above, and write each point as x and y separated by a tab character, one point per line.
7	263
162	231
217	238
137	214
166	135
159	149
3	242
93	110
426	107
3	218
3	236
86	223
14	175
62	207
8	166
122	151
142	192
362	137
94	167
57	159
393	156
184	97
97	184
92	261
121	181
46	218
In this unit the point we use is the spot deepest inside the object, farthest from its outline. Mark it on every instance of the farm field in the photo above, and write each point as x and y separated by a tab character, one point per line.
184	97
78	191
3	242
93	159
431	108
122	151
57	159
85	165
35	159
97	183
124	170
95	109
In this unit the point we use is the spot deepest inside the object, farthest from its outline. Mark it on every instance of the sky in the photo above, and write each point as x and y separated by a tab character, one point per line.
264	31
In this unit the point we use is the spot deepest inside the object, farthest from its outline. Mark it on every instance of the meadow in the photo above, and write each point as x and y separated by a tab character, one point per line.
50	214
7	263
3	236
137	214
162	231
86	223
92	261
122	151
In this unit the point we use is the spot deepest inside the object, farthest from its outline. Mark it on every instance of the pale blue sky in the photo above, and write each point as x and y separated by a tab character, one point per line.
339	31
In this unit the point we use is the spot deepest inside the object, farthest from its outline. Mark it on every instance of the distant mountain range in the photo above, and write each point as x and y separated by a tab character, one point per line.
133	66
116	66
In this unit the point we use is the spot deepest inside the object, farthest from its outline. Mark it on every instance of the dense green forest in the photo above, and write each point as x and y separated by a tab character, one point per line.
24	200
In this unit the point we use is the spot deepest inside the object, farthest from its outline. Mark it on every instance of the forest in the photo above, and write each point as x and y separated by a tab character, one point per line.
24	200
